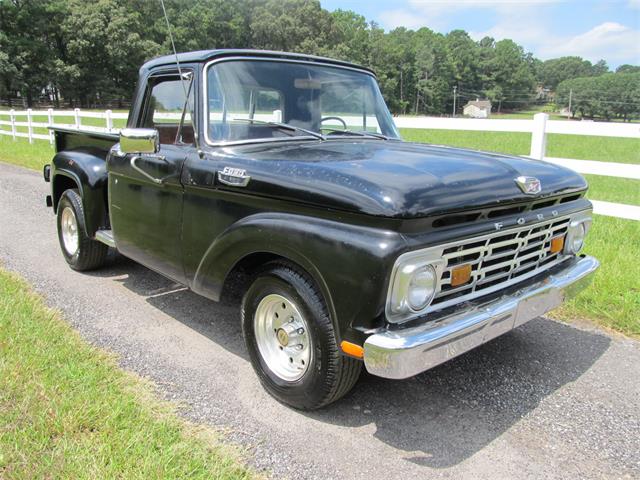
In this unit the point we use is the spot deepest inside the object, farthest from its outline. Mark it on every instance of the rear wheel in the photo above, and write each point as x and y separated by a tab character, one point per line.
81	252
291	340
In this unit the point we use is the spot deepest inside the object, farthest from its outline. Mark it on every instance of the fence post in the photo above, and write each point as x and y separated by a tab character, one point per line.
109	120
539	136
76	114
50	115
12	113
29	125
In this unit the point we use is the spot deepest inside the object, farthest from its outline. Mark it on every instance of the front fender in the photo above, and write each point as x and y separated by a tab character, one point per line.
87	168
349	263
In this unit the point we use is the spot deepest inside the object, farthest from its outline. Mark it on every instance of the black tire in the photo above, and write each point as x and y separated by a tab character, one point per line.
330	374
90	253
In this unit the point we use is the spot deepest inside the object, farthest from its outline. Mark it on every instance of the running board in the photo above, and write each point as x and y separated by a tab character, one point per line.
106	237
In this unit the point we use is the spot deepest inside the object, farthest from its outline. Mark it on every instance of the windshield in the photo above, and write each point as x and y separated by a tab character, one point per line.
256	99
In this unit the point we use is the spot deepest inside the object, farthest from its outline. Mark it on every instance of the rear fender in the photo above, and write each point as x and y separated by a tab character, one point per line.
87	169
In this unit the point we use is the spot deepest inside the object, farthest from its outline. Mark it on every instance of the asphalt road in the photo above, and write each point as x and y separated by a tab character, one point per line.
545	401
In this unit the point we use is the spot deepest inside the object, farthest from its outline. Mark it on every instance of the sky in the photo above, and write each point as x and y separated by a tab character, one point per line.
592	29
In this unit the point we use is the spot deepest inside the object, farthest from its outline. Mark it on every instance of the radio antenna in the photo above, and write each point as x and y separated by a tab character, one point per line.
173	45
182	78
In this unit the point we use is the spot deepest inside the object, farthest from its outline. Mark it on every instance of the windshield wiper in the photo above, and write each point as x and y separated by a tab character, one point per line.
360	133
285	126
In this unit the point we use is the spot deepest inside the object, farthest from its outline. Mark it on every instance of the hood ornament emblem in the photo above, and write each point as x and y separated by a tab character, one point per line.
529	185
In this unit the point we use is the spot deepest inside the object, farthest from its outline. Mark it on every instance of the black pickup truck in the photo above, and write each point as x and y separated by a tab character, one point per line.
283	177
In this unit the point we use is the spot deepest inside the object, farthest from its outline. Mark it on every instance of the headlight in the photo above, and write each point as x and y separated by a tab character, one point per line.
578	229
422	287
577	239
414	283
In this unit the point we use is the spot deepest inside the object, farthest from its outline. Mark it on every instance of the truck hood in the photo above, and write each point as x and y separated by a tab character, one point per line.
392	178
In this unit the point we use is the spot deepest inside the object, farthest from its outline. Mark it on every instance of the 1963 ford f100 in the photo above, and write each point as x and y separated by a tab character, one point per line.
284	176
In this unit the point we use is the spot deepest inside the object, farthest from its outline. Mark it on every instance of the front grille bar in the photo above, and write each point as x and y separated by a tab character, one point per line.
499	260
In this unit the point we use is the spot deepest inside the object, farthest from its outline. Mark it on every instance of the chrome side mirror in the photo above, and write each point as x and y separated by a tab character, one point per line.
139	140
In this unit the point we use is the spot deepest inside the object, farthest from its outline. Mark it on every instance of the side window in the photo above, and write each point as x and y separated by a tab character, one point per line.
164	107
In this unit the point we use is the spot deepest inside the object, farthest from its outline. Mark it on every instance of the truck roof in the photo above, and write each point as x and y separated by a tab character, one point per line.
205	55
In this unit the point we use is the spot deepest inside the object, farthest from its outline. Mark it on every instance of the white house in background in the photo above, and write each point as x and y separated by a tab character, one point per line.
477	109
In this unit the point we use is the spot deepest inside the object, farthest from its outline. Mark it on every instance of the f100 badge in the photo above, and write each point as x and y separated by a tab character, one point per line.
529	185
235	177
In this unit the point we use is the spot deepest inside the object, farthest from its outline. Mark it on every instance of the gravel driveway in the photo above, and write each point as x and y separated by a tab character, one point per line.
544	401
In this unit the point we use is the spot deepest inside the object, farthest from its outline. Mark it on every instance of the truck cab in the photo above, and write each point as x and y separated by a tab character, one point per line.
282	179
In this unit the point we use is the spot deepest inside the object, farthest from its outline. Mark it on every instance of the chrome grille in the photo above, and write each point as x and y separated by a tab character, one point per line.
498	260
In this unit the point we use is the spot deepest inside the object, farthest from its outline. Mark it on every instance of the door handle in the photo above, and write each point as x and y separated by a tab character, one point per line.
157	181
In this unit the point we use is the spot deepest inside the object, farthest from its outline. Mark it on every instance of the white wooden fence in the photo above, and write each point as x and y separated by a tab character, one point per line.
108	116
539	127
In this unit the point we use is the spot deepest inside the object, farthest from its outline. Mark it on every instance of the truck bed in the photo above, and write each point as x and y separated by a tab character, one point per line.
72	139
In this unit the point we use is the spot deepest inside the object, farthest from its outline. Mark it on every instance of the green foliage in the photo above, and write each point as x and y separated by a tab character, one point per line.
84	52
290	25
611	95
552	72
626	68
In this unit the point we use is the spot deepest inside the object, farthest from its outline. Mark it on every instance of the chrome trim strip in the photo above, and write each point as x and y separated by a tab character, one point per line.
106	237
205	109
403	353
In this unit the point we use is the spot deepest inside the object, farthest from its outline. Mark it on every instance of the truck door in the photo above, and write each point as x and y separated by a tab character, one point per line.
145	195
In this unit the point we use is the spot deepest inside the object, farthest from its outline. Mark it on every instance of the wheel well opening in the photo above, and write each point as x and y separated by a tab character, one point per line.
238	279
60	184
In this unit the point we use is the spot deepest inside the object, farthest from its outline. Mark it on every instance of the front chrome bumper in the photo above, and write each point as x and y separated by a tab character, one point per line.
404	353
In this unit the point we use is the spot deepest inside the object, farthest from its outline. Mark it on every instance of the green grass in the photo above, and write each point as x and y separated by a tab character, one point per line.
613	299
612	149
606	149
67	411
613	189
503	142
21	152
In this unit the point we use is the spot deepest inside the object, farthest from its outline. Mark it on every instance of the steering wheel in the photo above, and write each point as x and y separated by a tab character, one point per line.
324	119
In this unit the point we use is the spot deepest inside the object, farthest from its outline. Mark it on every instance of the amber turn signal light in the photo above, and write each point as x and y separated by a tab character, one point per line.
557	244
460	275
352	349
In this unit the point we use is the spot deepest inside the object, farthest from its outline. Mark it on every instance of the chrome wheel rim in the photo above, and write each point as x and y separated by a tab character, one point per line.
282	336
69	228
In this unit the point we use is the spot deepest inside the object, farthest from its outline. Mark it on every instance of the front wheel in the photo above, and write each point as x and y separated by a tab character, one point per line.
291	340
81	252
